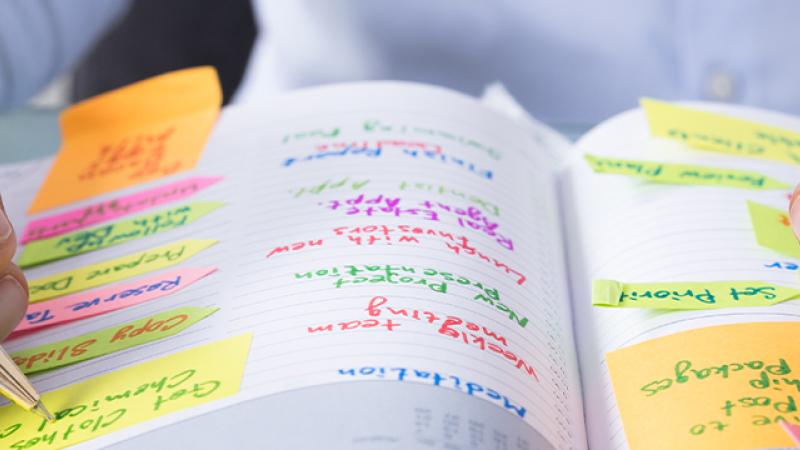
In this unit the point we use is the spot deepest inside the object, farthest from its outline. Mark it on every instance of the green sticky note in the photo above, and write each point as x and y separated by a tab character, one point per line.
689	295
64	246
669	173
773	229
110	340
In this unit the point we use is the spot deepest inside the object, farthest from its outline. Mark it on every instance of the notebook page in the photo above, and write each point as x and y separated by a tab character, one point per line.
313	260
420	289
627	230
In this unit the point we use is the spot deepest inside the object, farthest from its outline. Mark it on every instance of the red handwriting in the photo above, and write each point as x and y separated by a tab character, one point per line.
294	247
470	333
138	156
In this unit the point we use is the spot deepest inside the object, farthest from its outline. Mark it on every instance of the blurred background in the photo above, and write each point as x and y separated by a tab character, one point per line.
570	63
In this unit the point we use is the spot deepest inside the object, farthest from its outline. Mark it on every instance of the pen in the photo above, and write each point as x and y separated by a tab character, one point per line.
16	387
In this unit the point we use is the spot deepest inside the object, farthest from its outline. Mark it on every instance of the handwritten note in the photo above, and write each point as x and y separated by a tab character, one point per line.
60	247
97	213
669	173
711	388
689	295
128	396
115	269
131	135
100	301
109	340
773	229
720	133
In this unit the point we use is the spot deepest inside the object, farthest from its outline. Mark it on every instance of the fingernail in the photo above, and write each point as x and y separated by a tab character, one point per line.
5	225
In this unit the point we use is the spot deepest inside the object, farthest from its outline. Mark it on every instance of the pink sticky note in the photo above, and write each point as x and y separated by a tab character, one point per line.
112	209
792	430
100	301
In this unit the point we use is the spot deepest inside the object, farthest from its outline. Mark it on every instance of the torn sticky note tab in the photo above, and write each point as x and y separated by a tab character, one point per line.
719	387
150	129
84	241
773	229
100	301
115	269
125	397
109	340
686	174
793	430
108	210
721	133
689	295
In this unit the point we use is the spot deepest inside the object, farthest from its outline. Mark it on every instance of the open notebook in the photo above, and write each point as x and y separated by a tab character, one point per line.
415	268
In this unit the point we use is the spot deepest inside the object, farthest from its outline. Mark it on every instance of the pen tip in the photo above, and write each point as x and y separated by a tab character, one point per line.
40	410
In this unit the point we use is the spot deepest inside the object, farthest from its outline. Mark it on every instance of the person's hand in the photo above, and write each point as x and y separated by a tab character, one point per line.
13	287
794	211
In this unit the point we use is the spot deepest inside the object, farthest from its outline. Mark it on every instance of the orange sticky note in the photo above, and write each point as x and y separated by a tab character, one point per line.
719	387
131	135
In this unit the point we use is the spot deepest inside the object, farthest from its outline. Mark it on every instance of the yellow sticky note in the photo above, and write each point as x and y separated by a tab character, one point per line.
131	135
115	269
721	133
773	229
109	340
669	173
128	396
689	295
720	387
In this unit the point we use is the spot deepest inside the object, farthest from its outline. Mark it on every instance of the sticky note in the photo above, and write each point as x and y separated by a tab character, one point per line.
60	247
687	295
109	340
126	397
669	173
100	301
116	208
792	430
773	229
720	387
115	269
141	132
721	133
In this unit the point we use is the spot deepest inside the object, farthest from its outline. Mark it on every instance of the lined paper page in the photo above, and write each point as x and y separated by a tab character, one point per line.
374	232
628	230
357	250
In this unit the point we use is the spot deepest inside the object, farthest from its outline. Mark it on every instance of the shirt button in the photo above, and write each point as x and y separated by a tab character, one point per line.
721	86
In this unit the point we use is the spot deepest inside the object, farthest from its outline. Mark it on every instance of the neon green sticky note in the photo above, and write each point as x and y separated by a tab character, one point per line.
689	295
669	173
115	269
773	229
721	133
59	247
109	340
128	396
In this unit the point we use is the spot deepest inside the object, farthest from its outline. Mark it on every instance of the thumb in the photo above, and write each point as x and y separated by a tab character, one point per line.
13	299
13	288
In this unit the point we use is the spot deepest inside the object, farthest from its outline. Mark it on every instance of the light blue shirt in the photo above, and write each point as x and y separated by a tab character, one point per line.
40	39
565	61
